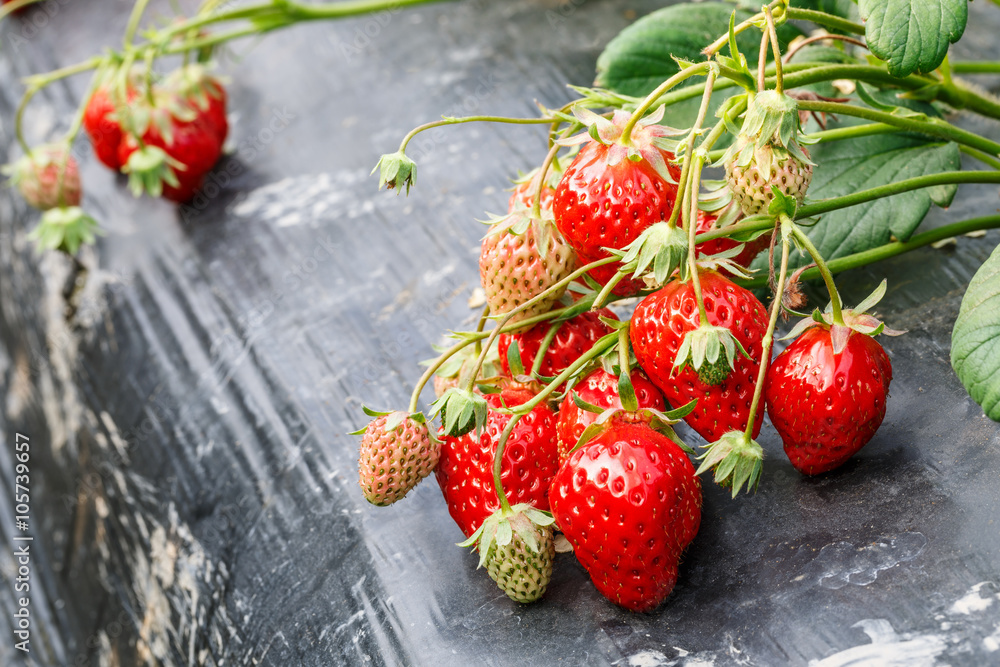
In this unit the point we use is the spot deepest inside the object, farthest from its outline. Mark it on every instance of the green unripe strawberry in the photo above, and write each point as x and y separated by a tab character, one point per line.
517	548
768	166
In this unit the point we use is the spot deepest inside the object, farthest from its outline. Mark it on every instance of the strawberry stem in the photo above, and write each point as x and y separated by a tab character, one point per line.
545	120
650	101
779	85
893	249
714	47
481	359
765	346
824	270
543	347
498	462
762	64
543	172
133	22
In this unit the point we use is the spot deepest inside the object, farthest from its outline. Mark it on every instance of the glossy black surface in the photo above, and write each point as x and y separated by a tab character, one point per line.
194	490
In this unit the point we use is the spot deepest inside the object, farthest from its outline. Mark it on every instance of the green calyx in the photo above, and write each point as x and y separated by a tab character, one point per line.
656	254
149	168
711	351
661	422
461	411
854	319
396	171
64	229
736	459
770	133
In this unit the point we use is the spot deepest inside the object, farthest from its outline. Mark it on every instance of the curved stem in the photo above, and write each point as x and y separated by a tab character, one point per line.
982	157
600	347
133	22
762	63
714	47
893	249
824	270
820	38
543	172
825	20
906	185
779	84
658	92
543	347
765	346
528	304
934	127
470	119
498	462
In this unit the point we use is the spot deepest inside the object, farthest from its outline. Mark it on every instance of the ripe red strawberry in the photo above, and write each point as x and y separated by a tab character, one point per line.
658	327
629	503
706	223
101	122
599	388
574	337
197	89
465	470
827	405
48	178
606	199
520	258
397	451
189	141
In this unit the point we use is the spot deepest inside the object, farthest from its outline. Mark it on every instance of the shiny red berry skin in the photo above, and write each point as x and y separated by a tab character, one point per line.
574	338
629	503
599	206
658	327
827	406
465	469
599	388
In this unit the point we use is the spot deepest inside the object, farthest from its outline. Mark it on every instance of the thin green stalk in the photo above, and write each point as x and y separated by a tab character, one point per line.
824	270
934	127
536	208
768	339
133	22
498	462
470	119
975	67
892	249
597	350
480	326
825	20
779	85
751	22
528	304
543	347
647	104
982	157
905	185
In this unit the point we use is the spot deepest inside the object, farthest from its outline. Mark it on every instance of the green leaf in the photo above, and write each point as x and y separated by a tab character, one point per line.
639	58
975	340
913	35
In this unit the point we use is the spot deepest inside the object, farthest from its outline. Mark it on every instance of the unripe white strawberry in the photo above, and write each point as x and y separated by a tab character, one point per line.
48	178
751	184
520	258
397	451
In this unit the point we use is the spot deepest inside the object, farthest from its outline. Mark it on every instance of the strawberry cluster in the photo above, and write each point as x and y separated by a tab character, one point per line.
166	135
560	418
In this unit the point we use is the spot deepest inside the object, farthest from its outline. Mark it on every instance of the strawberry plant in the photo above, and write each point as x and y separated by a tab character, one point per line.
723	156
721	159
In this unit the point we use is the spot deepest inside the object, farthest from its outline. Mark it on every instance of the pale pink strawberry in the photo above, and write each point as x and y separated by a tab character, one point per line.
397	451
48	178
522	257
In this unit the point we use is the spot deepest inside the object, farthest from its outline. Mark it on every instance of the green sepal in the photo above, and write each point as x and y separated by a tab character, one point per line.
736	459
711	351
661	247
396	170
149	168
461	411
514	359
65	229
584	405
